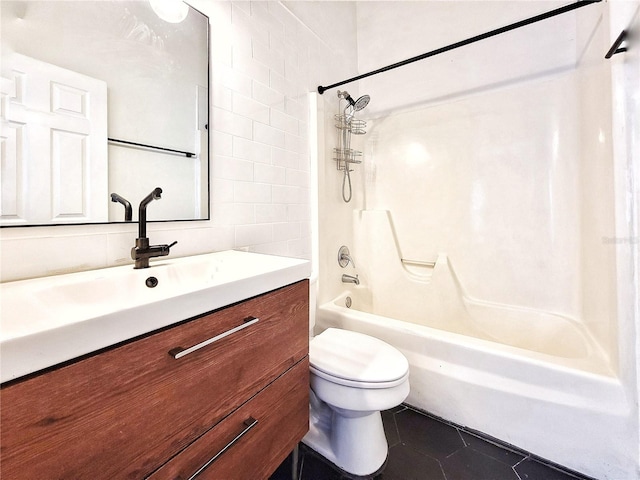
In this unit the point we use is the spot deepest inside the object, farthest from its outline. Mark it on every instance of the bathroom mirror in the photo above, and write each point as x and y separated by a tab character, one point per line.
102	97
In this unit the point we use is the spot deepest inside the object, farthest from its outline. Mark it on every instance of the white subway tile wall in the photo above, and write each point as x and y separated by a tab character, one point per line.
264	63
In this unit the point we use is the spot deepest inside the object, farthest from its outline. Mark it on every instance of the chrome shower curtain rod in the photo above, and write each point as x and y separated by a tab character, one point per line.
477	38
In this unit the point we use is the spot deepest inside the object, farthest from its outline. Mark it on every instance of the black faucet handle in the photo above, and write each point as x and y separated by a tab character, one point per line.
172	244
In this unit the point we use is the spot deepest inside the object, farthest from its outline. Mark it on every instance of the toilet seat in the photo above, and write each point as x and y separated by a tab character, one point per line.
355	359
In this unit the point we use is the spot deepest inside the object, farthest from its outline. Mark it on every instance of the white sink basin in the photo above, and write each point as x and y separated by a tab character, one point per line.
49	320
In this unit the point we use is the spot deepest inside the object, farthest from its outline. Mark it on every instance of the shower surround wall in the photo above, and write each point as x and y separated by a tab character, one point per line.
265	59
497	161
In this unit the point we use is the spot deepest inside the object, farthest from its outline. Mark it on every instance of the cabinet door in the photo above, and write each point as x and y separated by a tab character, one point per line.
254	440
123	412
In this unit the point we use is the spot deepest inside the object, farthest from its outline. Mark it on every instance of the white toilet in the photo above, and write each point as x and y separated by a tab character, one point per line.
353	377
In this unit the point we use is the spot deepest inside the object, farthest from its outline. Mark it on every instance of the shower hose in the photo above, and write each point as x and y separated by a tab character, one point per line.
346	182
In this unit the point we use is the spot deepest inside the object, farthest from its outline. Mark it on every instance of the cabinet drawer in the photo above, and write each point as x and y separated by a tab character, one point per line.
121	413
252	441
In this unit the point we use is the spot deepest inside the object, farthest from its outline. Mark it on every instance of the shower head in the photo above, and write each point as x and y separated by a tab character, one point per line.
359	104
362	102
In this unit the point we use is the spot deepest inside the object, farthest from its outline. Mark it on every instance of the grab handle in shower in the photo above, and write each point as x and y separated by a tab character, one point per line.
418	262
180	352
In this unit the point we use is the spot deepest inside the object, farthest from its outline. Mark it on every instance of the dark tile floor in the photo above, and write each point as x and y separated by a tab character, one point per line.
423	447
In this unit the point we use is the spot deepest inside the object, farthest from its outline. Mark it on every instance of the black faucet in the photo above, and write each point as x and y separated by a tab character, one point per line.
128	211
142	252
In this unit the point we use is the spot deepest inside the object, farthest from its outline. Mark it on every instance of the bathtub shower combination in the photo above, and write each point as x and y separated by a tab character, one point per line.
521	375
477	225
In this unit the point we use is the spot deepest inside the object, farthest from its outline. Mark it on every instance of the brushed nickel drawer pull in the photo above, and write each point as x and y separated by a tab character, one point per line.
179	352
249	423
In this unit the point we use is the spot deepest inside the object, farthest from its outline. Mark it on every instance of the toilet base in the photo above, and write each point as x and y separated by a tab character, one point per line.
355	443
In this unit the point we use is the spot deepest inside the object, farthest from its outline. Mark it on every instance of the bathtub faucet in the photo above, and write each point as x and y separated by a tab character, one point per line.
344	257
350	279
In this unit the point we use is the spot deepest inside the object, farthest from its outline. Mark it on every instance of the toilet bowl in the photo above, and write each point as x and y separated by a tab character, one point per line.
353	377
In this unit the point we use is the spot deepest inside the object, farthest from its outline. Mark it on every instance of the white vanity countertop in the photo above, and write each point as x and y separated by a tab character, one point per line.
49	320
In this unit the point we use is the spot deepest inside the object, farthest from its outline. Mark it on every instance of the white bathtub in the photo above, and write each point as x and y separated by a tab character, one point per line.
563	405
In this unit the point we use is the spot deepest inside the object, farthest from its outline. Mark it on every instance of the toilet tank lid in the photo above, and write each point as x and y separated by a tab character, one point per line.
356	356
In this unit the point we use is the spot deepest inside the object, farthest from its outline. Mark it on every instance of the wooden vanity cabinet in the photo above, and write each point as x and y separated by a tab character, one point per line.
136	411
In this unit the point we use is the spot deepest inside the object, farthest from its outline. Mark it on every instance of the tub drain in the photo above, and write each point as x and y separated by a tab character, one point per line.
347	302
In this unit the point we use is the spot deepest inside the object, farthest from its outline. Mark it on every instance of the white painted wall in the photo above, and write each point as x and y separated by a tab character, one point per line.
264	62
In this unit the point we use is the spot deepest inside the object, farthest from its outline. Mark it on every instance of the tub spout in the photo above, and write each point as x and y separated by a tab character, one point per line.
350	279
